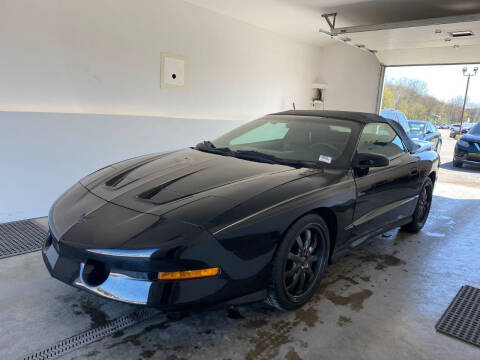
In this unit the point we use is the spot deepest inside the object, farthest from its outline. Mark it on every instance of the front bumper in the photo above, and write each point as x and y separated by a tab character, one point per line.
117	253
128	276
116	284
469	156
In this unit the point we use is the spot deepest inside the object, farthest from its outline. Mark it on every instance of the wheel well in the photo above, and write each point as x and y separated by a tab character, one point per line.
433	176
331	219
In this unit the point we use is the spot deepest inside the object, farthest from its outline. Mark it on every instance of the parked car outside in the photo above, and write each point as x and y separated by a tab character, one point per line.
467	148
424	130
256	214
398	116
455	129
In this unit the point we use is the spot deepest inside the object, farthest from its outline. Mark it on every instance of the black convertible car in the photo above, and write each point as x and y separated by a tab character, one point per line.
256	214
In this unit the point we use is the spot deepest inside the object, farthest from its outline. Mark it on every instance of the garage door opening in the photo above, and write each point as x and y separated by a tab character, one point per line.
433	93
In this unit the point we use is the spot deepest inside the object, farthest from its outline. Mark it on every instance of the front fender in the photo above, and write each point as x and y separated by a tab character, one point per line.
265	228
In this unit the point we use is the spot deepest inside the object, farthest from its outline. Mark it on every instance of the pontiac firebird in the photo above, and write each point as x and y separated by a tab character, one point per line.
256	214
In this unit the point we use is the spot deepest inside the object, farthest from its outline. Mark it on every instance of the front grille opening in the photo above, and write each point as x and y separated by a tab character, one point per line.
95	272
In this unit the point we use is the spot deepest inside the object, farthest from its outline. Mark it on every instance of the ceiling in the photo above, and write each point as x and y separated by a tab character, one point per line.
302	20
423	41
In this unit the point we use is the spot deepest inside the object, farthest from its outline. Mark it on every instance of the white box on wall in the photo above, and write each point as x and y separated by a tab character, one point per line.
173	71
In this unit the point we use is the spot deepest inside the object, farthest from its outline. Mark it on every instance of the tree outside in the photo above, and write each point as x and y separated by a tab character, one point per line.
411	97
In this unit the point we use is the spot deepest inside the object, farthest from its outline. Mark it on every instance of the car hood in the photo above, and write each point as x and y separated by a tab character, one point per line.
203	185
417	136
423	145
471	138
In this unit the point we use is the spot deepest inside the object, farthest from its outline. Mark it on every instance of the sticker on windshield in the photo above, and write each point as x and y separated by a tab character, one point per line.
324	158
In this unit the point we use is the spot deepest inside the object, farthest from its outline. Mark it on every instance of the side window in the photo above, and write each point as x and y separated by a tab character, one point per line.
380	138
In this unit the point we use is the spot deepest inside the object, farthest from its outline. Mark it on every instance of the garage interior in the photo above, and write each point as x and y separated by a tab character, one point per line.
83	86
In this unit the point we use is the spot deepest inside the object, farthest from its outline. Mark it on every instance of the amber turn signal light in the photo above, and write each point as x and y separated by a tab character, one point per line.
189	274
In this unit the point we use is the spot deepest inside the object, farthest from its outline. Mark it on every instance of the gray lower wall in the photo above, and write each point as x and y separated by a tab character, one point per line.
42	154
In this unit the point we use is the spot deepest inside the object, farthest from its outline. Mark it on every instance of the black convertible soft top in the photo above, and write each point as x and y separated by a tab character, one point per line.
364	118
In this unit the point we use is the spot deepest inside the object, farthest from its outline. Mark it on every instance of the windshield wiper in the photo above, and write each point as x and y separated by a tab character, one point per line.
271	159
208	146
252	155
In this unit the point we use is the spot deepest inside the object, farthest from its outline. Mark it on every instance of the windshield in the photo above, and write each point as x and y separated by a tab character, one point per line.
416	128
297	138
475	130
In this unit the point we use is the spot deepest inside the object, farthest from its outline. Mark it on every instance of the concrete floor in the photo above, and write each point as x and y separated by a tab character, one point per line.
380	302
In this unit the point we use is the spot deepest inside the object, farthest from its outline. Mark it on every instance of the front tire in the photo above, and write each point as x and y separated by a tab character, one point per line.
422	209
299	263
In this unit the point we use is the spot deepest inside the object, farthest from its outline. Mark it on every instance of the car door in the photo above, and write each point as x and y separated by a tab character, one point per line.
386	194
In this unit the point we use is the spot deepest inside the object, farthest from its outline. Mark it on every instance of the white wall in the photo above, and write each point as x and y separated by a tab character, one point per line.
80	86
352	76
42	154
103	57
59	57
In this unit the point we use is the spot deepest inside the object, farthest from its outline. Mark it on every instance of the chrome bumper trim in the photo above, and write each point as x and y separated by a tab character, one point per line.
118	287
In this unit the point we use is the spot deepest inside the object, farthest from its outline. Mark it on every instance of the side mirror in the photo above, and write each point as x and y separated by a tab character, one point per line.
365	161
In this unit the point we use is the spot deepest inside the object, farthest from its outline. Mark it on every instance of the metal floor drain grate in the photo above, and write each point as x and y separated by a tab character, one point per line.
462	318
20	237
72	343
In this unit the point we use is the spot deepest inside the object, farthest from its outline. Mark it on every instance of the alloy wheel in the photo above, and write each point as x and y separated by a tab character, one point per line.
304	260
424	203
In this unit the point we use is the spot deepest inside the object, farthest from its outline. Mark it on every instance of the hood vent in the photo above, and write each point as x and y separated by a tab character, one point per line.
149	194
117	179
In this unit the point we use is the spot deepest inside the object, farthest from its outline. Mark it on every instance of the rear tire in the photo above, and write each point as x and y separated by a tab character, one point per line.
299	263
457	164
420	215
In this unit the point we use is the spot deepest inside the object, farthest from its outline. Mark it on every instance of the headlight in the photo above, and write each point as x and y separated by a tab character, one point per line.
463	143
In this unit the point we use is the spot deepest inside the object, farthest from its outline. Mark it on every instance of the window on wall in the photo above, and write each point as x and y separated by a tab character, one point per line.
380	138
